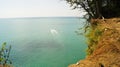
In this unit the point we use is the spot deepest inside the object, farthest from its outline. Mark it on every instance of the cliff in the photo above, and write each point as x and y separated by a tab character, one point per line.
104	46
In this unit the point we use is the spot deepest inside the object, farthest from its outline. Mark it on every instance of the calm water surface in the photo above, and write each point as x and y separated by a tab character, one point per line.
43	42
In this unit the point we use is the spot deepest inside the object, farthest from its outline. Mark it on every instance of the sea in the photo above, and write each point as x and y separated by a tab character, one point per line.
43	41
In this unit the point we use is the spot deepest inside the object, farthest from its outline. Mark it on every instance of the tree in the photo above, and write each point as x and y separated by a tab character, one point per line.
5	56
98	8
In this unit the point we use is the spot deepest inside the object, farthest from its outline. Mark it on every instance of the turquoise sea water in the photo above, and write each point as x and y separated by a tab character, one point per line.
43	42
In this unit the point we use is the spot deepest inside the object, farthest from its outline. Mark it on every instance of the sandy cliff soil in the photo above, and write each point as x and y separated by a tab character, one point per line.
107	50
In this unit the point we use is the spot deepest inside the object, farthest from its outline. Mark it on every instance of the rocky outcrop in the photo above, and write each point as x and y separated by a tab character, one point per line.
107	50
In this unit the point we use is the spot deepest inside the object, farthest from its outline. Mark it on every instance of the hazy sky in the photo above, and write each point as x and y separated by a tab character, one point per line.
35	8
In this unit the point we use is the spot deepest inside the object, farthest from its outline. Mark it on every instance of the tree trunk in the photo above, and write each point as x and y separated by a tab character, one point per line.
98	8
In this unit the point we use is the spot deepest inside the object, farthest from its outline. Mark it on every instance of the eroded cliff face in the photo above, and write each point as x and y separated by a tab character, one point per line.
106	52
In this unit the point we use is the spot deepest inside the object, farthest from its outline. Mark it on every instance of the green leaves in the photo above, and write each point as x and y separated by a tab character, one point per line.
3	46
98	8
4	55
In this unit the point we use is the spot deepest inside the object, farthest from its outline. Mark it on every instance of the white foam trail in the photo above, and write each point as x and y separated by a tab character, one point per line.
53	31
56	37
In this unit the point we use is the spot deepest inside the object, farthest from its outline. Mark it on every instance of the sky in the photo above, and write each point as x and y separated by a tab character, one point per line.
37	8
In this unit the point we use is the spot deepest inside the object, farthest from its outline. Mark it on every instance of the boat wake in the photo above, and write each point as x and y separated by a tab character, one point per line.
53	31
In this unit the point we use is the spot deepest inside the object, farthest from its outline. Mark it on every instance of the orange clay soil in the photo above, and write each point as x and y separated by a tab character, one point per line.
107	51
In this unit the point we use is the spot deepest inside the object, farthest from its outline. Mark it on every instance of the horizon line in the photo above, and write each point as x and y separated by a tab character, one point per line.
42	17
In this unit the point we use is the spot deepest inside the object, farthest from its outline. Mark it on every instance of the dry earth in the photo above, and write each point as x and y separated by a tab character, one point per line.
107	52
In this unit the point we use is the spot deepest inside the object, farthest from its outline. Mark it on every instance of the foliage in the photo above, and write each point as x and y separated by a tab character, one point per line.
93	35
4	56
98	8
